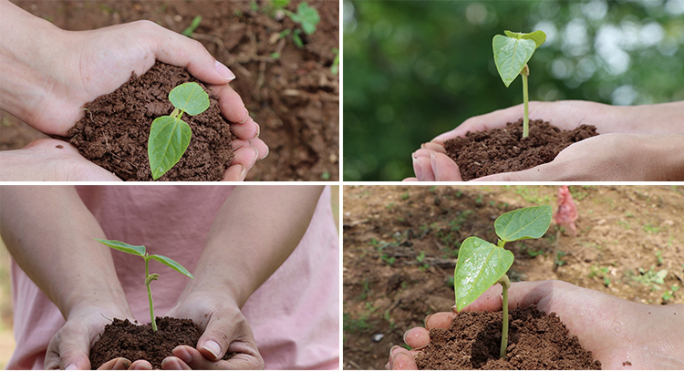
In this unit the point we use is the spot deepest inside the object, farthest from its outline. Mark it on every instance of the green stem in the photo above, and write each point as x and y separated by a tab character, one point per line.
505	284
526	117
149	293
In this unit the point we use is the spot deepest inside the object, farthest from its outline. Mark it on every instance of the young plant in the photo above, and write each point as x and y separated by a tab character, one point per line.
142	252
193	25
481	263
169	135
511	54
307	16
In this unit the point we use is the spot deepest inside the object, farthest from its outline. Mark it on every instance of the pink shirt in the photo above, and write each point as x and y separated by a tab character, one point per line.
294	315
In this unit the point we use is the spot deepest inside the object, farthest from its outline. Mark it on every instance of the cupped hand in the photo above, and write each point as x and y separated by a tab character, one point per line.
224	328
95	63
615	330
70	347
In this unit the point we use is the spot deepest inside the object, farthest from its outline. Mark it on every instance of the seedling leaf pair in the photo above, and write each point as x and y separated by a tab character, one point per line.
169	135
306	16
513	51
481	263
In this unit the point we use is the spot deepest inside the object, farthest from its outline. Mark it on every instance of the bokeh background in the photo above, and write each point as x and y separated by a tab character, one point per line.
415	69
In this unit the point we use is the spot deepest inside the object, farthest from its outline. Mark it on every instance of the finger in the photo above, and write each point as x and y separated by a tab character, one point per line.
246	156
437	147
141	365
236	172
224	334
444	168
254	143
410	179
439	320
174	364
175	49
417	338
233	108
69	349
422	168
193	359
116	364
401	359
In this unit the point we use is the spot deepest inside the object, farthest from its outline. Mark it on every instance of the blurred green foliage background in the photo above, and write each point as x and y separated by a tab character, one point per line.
415	69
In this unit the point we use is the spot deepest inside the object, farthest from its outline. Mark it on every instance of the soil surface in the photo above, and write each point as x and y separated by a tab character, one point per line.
535	341
401	244
290	91
114	132
495	151
122	338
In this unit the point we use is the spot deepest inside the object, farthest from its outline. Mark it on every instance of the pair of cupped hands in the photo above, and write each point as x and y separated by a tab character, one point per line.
95	63
224	328
635	143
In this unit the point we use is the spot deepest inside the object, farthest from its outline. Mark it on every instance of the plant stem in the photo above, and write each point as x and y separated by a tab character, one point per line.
526	117
149	293
505	284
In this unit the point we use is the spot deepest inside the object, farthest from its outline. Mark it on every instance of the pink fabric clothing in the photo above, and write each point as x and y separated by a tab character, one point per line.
294	315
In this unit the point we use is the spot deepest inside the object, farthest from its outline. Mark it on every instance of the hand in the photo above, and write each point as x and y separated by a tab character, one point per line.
224	328
606	157
69	348
615	330
50	74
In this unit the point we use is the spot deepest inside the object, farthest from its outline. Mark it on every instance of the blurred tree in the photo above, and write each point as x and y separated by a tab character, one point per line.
415	69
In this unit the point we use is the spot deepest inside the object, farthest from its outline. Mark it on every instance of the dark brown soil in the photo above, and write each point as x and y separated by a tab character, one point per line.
535	341
495	151
116	127
138	342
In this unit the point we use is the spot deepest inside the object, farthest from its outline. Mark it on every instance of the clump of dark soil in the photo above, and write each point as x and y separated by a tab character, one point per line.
535	341
494	151
122	338
116	127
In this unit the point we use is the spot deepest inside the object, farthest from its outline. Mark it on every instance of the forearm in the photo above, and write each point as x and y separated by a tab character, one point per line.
24	49
50	234
254	232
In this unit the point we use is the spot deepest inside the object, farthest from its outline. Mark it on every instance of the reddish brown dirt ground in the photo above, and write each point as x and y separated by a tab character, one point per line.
401	242
294	98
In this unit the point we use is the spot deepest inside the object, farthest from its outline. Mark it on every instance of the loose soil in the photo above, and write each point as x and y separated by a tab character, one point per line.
115	130
535	341
401	244
495	151
289	91
122	338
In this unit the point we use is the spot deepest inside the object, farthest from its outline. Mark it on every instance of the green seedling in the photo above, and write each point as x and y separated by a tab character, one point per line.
193	25
482	264
169	135
511	54
140	250
306	16
335	67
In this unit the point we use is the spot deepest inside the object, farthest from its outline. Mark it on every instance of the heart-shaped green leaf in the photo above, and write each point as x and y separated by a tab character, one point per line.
123	247
539	37
511	55
169	138
189	98
173	264
480	265
525	223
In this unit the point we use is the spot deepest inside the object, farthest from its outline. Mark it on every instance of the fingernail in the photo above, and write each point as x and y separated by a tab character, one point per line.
404	337
454	308
258	129
417	168
224	71
71	367
243	173
426	321
171	363
246	118
212	347
256	153
394	348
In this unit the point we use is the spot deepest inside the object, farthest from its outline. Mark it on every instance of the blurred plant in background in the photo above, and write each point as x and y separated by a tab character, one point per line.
415	69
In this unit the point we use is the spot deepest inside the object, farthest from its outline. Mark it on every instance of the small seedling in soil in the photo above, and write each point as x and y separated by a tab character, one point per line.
481	263
306	16
511	54
335	67
140	250
193	25
169	135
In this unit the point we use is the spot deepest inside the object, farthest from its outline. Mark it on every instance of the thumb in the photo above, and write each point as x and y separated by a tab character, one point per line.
69	349
444	168
230	334
176	49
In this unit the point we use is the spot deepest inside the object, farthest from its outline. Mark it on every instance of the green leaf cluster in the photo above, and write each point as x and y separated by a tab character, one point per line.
513	51
481	263
307	16
169	135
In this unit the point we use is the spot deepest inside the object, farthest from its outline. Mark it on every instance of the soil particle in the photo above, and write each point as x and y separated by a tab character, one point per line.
536	341
495	151
139	342
115	131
